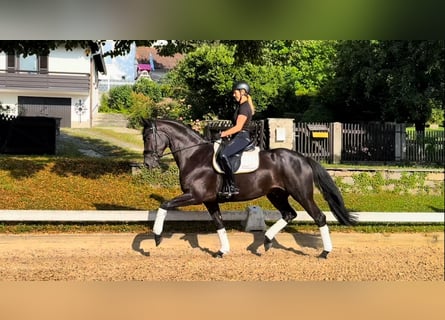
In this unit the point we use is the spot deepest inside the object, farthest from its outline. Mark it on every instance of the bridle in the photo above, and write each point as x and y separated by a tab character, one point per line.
155	154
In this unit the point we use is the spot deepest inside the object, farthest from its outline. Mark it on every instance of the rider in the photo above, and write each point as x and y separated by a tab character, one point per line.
240	135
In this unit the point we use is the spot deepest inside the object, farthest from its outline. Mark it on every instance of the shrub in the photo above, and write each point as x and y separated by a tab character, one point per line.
141	108
148	88
171	109
104	106
119	98
144	107
167	177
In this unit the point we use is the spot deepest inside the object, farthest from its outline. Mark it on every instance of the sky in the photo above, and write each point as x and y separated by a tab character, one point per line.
121	66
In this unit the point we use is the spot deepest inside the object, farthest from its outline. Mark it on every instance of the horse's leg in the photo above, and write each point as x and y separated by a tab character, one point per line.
182	200
215	213
159	225
279	198
320	220
307	202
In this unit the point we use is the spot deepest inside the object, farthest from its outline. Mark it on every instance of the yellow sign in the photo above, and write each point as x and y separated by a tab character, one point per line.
320	134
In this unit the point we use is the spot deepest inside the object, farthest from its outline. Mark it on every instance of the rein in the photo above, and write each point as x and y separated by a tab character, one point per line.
181	149
155	152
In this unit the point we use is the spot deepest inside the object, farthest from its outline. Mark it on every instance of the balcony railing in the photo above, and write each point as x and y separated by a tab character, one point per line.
51	81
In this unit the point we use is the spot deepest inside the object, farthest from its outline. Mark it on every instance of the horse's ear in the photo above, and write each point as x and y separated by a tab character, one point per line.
144	122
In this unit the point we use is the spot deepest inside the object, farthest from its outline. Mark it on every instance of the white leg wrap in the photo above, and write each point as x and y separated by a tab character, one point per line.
275	228
224	241
326	238
159	221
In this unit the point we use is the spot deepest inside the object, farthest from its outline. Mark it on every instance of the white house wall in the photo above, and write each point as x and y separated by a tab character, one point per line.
80	119
2	61
8	98
61	60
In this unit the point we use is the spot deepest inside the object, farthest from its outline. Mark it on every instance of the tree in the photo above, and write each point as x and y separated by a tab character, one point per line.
43	47
356	91
284	80
415	80
245	50
387	81
307	66
312	60
203	80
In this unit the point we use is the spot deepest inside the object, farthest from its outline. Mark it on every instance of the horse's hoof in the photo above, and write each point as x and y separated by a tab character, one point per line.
218	255
267	243
158	239
324	254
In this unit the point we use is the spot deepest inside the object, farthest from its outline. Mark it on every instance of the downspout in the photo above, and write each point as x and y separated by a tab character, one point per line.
92	78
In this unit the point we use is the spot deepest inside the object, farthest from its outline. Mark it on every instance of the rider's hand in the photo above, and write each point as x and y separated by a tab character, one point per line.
218	136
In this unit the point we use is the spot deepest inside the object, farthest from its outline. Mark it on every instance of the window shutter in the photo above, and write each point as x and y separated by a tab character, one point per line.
43	64
11	62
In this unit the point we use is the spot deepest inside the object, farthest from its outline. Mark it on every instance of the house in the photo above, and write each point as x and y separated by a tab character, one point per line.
120	69
62	85
150	62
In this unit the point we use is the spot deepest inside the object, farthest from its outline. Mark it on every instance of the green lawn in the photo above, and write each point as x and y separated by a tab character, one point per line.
72	181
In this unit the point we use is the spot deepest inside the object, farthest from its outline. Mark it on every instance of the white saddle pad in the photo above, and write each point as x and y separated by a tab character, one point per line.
249	160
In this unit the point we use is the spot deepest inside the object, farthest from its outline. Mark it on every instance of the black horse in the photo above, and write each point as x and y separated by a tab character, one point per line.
281	173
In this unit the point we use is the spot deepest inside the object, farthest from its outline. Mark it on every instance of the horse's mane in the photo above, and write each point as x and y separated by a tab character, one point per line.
178	123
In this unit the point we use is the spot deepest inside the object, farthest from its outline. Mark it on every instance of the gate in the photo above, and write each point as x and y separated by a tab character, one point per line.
314	140
46	107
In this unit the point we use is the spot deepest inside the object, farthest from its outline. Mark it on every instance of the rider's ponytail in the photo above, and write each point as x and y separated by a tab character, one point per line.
252	106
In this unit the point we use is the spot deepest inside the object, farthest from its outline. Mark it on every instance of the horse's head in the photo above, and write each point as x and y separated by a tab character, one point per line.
154	144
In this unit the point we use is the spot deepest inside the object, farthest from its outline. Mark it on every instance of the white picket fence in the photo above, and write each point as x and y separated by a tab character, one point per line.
147	216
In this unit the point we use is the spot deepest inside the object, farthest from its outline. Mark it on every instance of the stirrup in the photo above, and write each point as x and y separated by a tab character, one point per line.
224	194
227	192
233	190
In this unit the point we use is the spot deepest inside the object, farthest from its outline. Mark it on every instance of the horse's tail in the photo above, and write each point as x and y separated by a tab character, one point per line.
324	182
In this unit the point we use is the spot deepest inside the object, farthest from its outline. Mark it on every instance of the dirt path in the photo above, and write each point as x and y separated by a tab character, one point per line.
116	257
66	135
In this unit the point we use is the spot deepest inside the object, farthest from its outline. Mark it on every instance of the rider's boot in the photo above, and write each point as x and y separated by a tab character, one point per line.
229	188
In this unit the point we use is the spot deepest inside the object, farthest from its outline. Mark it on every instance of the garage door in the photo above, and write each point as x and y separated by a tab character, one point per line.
47	107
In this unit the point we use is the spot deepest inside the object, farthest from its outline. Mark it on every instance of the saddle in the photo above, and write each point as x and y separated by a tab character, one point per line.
244	161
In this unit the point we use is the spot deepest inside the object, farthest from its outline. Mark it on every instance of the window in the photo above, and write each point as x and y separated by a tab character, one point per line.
31	63
28	64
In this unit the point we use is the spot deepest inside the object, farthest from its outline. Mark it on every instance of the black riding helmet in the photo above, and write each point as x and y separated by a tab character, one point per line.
241	85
